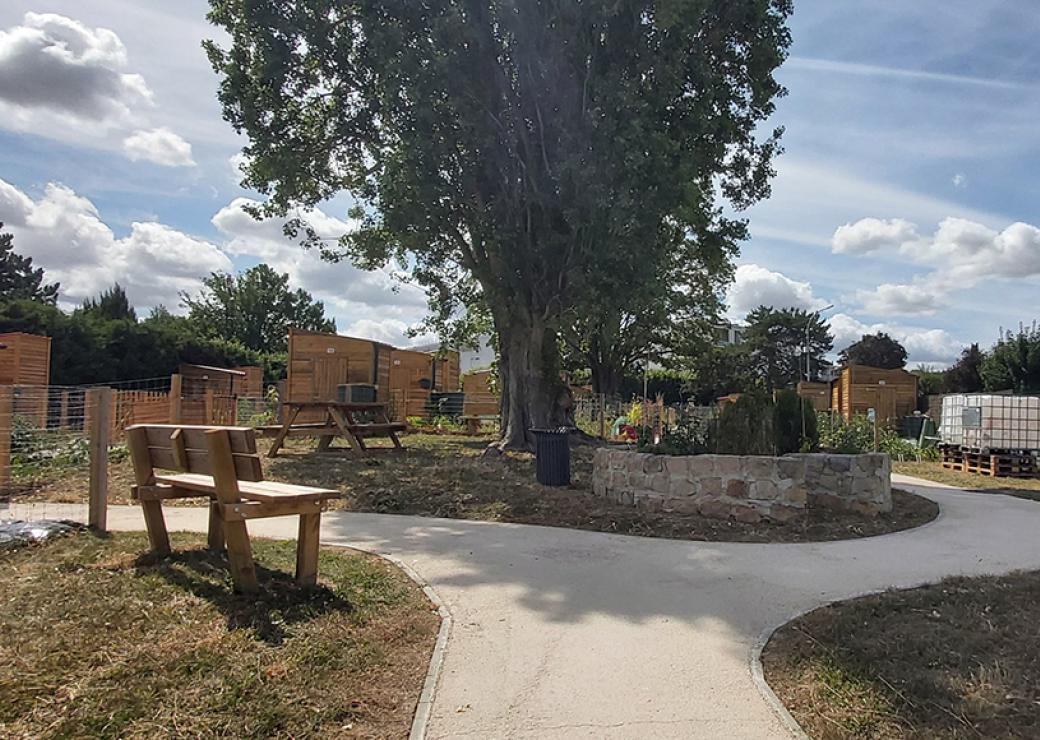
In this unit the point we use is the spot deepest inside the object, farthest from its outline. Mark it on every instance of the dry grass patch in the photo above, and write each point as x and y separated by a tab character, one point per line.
98	640
1027	488
954	660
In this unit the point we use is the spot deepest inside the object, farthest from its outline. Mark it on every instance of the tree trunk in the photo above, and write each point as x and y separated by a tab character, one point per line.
532	393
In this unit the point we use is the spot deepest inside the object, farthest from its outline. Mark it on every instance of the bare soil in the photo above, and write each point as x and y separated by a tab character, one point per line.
98	639
955	660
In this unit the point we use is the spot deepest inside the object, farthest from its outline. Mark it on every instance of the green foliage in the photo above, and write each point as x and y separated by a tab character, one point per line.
529	160
721	371
856	437
19	280
35	452
673	385
929	383
110	305
776	340
965	375
687	437
1014	362
794	423
254	309
875	350
744	427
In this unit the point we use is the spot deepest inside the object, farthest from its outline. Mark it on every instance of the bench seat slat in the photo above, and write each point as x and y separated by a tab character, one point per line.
269	491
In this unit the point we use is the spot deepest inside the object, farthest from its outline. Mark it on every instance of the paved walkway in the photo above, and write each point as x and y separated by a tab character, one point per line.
570	634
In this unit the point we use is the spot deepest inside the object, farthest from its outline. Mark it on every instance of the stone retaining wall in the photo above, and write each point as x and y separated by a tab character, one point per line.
747	489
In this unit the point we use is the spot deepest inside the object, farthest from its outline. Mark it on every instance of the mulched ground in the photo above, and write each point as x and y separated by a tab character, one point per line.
98	639
447	476
955	660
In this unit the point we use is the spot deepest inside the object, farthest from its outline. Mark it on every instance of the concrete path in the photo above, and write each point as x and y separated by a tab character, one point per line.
567	634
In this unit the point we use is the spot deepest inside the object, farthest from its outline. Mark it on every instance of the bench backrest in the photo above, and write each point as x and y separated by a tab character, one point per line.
187	449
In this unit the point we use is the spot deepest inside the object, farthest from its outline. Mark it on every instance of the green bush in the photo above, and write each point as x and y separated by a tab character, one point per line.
744	427
794	424
685	438
856	437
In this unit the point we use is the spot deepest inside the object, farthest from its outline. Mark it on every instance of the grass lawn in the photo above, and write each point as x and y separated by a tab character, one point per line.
446	476
955	660
1028	488
98	639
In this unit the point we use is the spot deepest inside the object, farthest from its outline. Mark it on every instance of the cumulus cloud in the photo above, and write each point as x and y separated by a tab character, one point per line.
160	146
349	291
754	286
59	65
970	251
923	345
889	299
870	235
64	233
960	180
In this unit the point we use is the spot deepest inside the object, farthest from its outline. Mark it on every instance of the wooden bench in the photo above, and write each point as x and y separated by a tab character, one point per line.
221	464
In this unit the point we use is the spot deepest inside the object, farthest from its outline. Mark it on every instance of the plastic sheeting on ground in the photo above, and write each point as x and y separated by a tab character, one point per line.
17	533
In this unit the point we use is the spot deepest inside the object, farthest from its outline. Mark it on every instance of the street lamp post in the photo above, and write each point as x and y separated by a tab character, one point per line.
808	354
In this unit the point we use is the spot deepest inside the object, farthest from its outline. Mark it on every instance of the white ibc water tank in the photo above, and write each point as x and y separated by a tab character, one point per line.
991	422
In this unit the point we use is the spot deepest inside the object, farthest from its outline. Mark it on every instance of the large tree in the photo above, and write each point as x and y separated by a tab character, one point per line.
1014	362
777	341
19	279
875	350
508	152
255	309
965	375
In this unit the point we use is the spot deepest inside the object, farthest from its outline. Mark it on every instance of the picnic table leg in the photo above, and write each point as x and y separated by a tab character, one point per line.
325	441
344	420
392	434
284	431
215	537
307	549
154	522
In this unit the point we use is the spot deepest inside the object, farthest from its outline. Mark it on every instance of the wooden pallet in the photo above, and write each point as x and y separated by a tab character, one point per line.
992	463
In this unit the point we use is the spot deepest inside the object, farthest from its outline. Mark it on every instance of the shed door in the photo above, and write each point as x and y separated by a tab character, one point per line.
886	403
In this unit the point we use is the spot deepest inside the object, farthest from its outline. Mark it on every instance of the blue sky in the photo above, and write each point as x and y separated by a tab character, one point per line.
906	197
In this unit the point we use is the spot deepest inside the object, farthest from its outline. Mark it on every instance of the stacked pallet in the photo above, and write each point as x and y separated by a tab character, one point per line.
994	463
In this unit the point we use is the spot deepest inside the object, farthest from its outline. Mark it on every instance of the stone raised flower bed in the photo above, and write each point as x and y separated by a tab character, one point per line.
747	489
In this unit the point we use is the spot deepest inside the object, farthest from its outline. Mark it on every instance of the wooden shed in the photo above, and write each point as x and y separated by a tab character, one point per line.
414	375
818	394
480	398
891	393
319	363
209	394
25	359
251	384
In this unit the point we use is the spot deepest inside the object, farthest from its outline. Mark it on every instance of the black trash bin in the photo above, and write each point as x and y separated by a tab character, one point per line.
552	448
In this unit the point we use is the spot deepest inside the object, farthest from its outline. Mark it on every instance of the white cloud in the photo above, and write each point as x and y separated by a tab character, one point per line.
160	146
960	180
870	235
63	233
923	345
347	290
890	299
755	286
54	64
968	251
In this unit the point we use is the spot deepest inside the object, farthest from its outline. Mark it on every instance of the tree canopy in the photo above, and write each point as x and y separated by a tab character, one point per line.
18	278
875	350
529	156
777	341
255	309
965	375
1014	362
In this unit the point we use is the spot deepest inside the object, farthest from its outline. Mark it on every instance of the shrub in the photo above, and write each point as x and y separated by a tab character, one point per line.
744	427
794	424
687	437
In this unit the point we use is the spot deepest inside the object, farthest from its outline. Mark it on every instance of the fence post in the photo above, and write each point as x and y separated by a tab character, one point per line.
175	398
6	421
100	427
208	407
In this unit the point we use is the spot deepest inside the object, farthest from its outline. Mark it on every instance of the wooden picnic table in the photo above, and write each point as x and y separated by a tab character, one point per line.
341	420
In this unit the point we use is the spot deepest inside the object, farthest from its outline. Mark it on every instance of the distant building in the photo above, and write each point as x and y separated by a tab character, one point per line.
479	357
729	334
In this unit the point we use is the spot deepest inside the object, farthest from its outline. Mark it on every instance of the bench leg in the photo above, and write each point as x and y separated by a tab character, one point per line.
240	556
215	539
307	549
154	522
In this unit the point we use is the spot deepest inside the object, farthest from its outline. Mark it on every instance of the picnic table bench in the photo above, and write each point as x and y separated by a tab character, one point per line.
174	461
341	420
